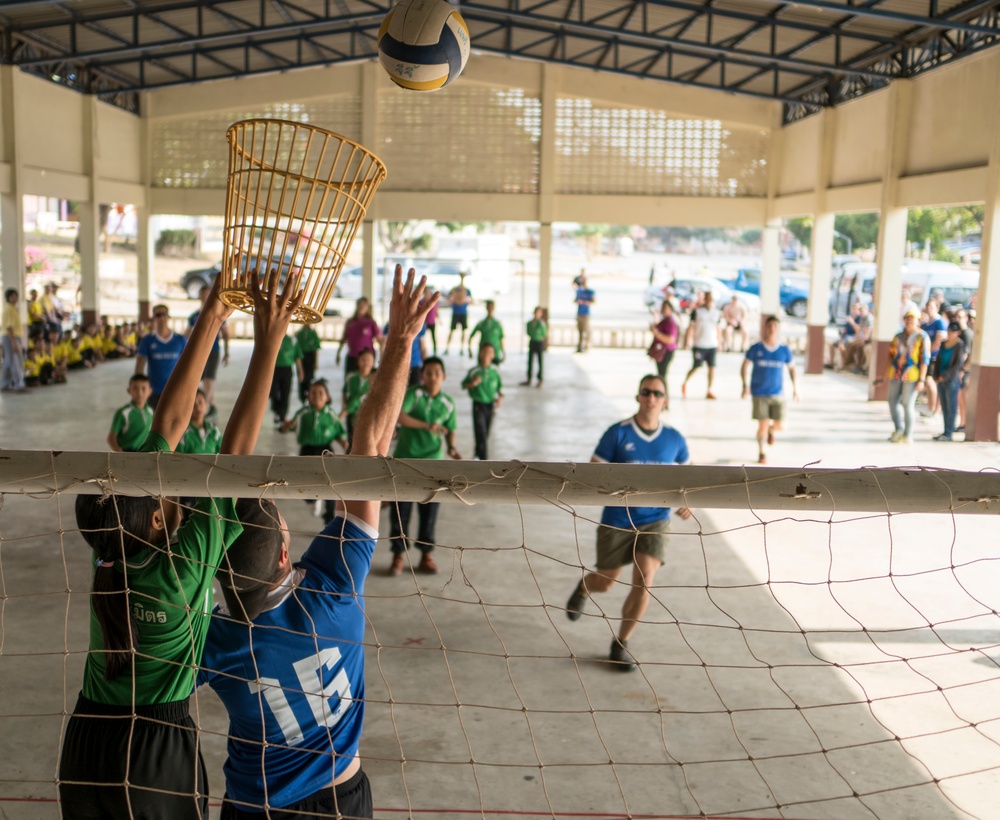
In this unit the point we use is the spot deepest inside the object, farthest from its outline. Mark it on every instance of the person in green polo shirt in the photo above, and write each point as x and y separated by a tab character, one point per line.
309	344
202	436
355	389
490	331
486	391
317	424
131	423
130	747
289	357
538	334
427	425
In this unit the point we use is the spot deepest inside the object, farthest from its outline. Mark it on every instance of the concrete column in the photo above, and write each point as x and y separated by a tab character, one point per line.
982	406
90	228
11	202
545	265
770	273
368	260
145	244
821	251
891	240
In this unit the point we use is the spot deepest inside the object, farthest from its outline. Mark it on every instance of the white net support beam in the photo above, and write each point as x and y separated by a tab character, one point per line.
806	490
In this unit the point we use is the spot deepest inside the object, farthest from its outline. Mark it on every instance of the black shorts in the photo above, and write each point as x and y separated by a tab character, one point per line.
212	364
353	798
703	355
460	319
154	747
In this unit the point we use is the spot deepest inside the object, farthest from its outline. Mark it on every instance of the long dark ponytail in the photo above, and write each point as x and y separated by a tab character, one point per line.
116	528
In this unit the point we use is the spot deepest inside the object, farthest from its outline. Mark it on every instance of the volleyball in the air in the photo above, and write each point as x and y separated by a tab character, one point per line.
423	44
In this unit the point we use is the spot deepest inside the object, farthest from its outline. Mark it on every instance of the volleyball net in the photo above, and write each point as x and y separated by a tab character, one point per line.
819	643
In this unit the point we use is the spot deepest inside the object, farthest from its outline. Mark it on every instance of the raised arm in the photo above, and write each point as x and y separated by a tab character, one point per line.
173	411
271	314
377	416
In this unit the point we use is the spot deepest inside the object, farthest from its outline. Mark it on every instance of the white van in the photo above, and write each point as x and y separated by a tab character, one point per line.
922	277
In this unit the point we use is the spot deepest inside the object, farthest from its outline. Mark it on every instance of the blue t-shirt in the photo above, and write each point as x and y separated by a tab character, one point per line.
416	353
933	329
161	356
193	318
587	295
310	640
768	375
626	443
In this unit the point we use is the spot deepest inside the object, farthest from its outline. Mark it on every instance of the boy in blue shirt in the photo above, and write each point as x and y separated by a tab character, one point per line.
767	383
633	535
286	654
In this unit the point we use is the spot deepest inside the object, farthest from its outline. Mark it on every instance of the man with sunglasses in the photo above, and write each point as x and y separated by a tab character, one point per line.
160	350
633	535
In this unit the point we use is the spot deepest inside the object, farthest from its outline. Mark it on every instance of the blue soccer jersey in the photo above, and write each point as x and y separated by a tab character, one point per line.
296	679
161	357
626	443
768	375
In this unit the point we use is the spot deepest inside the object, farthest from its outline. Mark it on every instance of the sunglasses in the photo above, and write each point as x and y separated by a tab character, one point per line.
160	315
645	391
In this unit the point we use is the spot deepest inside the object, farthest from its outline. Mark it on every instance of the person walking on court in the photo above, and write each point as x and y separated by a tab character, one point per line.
769	358
703	337
665	333
486	391
459	297
13	345
538	334
634	536
490	332
584	298
160	350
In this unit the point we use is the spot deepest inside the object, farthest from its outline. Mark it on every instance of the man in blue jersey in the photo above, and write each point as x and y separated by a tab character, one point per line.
294	682
160	350
633	535
767	383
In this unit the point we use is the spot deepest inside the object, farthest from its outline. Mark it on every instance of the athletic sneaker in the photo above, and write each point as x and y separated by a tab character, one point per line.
576	602
684	390
710	395
621	657
762	459
396	567
942	437
770	436
896	437
427	565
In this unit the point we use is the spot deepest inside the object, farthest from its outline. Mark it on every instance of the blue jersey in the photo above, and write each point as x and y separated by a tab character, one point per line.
768	375
297	679
584	297
416	351
161	357
626	443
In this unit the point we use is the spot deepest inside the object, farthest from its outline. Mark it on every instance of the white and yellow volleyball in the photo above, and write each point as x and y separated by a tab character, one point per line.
423	44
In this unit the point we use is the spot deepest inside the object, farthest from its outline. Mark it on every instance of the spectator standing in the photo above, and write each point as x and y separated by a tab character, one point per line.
490	332
968	335
36	317
936	329
486	391
909	355
769	358
160	350
361	332
665	333
132	422
13	345
289	358
735	316
202	436
356	387
703	336
584	300
427	424
309	345
947	372
538	335
431	325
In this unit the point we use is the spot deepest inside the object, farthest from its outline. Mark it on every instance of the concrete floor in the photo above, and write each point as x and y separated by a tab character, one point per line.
836	668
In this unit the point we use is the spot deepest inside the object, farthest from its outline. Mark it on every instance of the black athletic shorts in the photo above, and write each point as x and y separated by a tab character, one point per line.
352	798
460	319
701	355
212	364
157	745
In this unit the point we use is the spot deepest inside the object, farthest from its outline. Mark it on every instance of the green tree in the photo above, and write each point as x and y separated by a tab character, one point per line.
401	237
862	229
801	228
934	226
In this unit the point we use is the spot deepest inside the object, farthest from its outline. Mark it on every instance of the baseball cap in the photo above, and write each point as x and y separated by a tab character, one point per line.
954	326
250	566
912	312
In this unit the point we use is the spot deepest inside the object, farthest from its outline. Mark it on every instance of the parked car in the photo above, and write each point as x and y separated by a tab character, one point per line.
687	288
194	280
794	298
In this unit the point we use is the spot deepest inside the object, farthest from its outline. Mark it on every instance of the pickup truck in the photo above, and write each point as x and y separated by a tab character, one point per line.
794	298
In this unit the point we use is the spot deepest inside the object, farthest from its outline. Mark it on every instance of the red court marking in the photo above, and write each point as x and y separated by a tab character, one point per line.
413	640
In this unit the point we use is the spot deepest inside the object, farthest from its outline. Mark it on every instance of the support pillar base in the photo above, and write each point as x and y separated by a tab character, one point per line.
982	405
815	348
876	371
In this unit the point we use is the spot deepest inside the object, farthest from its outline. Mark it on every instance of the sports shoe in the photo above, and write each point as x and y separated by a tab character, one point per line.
576	602
621	657
942	437
396	567
896	437
762	459
525	384
770	436
539	383
427	565
710	395
684	390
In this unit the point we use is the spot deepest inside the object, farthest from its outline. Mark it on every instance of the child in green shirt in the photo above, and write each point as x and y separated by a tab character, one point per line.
131	423
486	391
538	334
490	332
309	345
355	389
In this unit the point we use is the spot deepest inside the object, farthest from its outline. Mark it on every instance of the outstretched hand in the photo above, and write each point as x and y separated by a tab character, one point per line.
272	311
214	306
410	304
